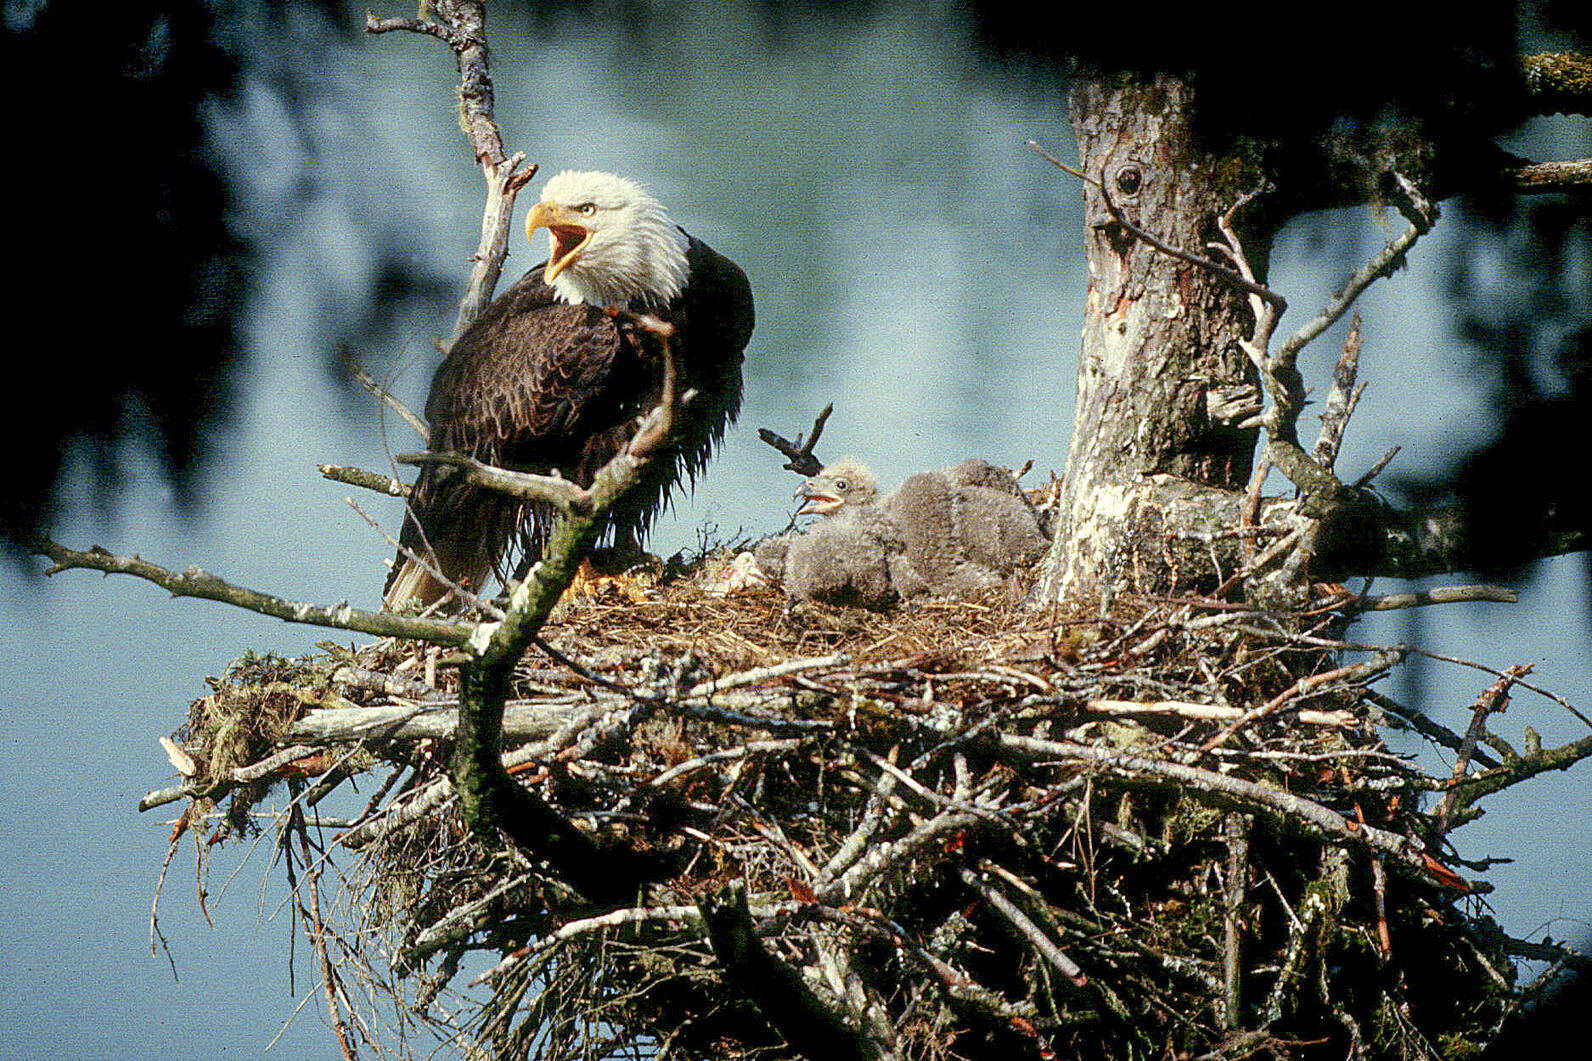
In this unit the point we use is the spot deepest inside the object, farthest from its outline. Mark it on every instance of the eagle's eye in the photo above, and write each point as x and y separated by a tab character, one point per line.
587	209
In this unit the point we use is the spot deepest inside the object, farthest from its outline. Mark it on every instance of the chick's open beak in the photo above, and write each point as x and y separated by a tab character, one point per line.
569	235
816	504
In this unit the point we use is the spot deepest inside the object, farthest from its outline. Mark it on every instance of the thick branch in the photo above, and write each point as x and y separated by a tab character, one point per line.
720	700
375	481
490	800
1360	534
1346	168
809	1024
1540	177
1388	602
1237	829
522	722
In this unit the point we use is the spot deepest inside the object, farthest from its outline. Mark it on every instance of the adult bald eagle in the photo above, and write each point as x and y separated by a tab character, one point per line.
544	380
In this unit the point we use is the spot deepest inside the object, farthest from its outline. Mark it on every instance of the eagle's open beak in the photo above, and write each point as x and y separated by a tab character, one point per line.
816	504
569	236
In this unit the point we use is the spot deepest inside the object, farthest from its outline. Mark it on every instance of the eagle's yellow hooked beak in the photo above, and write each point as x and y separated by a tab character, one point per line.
570	236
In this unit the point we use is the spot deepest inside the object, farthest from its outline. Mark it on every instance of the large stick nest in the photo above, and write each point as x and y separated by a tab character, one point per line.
946	818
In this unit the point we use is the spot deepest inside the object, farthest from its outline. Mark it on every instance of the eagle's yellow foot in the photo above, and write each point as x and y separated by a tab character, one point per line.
593	586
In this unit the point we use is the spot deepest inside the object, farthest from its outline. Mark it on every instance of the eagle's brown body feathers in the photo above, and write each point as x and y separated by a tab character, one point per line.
537	384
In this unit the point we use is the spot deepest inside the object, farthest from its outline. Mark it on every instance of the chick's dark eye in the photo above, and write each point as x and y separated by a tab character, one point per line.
841	484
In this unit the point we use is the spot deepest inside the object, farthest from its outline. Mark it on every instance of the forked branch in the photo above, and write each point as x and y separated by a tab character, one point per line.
799	456
490	800
461	24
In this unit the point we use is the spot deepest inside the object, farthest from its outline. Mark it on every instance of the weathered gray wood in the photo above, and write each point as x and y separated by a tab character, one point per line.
1158	336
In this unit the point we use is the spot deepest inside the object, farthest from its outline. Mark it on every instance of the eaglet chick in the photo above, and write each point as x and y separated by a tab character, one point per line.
940	533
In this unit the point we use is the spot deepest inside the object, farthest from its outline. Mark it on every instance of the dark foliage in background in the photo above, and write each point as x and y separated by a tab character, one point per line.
1529	340
132	278
1358	60
126	279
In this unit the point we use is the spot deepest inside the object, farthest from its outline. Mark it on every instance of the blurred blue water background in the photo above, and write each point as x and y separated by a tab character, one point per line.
914	262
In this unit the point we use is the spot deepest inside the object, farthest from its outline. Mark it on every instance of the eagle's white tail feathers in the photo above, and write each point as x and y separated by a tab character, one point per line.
413	580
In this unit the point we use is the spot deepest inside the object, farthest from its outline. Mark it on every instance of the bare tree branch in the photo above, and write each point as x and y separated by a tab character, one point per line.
1436	595
1544	177
527	486
1043	945
1343	396
195	582
461	24
387	397
799	455
374	481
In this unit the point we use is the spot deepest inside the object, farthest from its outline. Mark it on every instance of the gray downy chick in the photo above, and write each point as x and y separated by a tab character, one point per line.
943	532
846	482
854	557
996	524
965	527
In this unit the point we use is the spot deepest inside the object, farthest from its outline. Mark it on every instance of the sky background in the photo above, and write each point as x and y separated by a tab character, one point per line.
914	263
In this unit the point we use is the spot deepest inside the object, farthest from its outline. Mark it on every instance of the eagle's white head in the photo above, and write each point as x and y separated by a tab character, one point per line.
612	243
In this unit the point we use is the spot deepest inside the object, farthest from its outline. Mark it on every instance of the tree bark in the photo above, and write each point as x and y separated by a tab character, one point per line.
1158	336
1161	450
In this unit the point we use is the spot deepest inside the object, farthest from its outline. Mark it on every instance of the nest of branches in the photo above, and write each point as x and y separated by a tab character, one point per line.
962	828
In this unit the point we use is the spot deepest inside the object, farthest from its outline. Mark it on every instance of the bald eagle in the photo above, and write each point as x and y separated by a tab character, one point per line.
545	381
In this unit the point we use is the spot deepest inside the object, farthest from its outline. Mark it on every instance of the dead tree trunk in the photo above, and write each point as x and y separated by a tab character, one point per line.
1162	383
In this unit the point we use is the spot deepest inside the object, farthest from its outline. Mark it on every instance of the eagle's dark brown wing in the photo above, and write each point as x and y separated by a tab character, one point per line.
511	392
713	320
523	377
539	385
